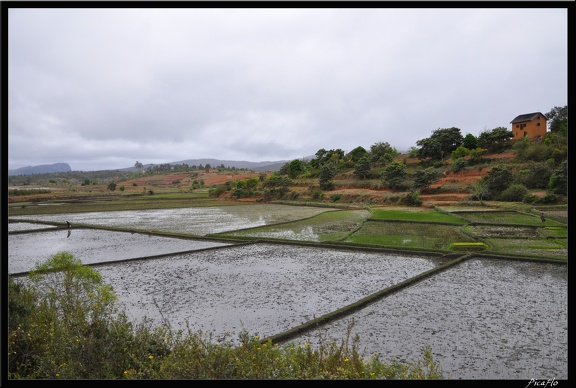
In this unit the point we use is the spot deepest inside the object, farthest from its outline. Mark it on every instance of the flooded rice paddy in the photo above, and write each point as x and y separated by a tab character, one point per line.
199	221
92	246
261	288
21	226
483	318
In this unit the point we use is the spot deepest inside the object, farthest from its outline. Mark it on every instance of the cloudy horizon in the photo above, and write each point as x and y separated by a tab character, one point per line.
103	88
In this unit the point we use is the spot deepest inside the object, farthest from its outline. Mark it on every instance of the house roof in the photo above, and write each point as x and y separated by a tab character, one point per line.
527	117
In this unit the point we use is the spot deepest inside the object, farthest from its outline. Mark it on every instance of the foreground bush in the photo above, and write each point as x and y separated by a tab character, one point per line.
63	323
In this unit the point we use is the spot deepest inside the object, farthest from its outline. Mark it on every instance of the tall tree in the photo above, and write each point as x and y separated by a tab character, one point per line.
423	178
382	152
362	167
326	176
357	153
557	118
470	141
393	174
498	179
295	168
440	144
559	179
496	139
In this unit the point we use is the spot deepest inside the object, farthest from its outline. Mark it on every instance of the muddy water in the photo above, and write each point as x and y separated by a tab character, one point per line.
196	221
20	226
91	246
484	319
263	289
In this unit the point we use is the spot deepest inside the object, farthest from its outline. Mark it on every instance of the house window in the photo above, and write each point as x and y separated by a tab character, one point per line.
517	125
537	124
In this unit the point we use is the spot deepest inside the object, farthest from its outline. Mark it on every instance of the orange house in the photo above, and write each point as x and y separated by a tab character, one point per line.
531	125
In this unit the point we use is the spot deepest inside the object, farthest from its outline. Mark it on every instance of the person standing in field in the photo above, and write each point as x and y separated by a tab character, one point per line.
542	216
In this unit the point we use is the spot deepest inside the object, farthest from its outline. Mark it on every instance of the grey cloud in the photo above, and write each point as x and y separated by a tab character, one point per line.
160	85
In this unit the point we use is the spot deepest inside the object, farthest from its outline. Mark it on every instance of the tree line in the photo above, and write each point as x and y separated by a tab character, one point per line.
540	164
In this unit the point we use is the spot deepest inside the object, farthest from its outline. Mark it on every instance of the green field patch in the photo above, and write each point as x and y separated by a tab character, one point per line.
554	231
328	226
409	235
505	218
539	247
421	215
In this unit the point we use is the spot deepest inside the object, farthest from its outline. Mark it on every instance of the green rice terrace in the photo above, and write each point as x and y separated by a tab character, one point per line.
509	231
446	229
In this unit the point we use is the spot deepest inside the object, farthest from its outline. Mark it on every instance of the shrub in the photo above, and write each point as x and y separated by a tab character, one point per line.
217	191
335	197
514	193
65	324
535	199
316	193
412	199
28	192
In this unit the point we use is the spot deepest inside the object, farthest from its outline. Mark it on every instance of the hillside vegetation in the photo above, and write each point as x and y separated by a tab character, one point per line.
530	172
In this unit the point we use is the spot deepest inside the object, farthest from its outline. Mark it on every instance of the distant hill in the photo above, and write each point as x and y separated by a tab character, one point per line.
41	169
256	166
214	163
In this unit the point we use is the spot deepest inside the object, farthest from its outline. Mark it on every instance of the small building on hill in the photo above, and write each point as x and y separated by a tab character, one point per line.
530	125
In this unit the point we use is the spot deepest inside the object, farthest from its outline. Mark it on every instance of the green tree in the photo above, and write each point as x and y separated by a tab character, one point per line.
326	176
477	155
559	180
514	193
394	174
534	176
558	118
295	168
458	164
430	149
285	169
470	141
481	191
423	178
112	186
460	152
362	167
138	165
440	144
65	323
277	180
498	179
495	140
357	153
276	186
382	152
412	199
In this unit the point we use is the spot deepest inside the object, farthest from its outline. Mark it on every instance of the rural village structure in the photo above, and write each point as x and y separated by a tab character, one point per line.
530	125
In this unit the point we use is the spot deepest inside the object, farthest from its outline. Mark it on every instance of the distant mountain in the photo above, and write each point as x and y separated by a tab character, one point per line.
41	169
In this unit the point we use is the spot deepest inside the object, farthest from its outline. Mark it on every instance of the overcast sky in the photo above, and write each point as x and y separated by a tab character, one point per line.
104	88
